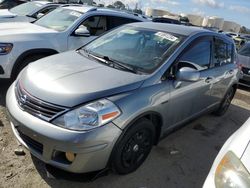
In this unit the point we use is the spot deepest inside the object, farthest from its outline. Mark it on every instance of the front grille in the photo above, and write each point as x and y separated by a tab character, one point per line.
31	143
35	106
245	70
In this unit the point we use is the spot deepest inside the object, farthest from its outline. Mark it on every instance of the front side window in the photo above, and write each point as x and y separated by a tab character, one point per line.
26	8
60	19
222	53
96	25
197	57
140	48
245	50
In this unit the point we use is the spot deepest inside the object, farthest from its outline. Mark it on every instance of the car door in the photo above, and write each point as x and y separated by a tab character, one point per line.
191	97
96	25
223	68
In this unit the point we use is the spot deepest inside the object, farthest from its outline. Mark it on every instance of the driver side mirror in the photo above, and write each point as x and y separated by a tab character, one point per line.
188	74
82	31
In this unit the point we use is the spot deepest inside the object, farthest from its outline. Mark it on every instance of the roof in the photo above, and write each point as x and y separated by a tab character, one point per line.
172	28
80	8
86	8
41	2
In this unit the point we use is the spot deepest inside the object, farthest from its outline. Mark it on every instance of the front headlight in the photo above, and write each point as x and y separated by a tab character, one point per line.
89	116
5	48
231	173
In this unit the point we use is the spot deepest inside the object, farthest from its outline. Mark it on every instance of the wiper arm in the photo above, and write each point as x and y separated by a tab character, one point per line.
126	67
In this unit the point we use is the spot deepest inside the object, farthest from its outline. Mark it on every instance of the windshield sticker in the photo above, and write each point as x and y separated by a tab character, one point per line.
74	13
166	36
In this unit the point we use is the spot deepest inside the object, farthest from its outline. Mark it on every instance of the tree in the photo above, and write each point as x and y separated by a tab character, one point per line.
119	5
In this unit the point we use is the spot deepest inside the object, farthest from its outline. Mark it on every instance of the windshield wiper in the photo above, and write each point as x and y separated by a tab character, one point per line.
111	62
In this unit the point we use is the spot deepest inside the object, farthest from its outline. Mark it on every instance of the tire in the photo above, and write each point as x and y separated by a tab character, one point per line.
24	63
225	102
134	147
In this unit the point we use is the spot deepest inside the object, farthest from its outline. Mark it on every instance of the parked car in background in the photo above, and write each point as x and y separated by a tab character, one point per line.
63	29
7	4
239	42
232	165
244	61
107	103
27	12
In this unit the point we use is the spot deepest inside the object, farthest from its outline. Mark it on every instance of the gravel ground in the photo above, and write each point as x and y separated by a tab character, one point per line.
182	159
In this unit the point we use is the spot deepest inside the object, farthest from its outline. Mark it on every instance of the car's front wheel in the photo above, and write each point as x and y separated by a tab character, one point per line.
134	147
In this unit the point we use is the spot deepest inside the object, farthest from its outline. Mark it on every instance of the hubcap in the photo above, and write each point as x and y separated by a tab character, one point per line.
137	148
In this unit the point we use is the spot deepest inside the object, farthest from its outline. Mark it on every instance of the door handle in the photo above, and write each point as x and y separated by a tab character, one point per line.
208	79
231	72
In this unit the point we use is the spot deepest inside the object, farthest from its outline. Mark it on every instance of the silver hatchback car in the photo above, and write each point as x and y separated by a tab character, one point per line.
107	103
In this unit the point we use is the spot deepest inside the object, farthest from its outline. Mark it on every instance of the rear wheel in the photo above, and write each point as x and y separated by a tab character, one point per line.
134	147
225	102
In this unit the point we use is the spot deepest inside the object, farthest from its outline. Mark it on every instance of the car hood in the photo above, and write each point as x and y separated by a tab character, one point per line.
5	13
244	60
17	28
70	79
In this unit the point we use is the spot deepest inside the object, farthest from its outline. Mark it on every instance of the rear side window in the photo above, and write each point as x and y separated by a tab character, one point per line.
198	56
114	21
223	53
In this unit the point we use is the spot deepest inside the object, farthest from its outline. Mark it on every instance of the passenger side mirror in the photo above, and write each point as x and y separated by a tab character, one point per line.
82	31
188	74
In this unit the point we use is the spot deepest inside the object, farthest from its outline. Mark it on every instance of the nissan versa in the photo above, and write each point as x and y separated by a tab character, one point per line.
107	103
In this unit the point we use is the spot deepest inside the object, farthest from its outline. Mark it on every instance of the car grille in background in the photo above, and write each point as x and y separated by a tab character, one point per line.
37	107
245	70
38	147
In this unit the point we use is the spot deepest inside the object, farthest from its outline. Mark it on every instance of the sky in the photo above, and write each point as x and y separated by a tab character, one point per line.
231	10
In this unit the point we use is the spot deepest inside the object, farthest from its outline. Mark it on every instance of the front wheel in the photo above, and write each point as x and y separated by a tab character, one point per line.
225	102
134	147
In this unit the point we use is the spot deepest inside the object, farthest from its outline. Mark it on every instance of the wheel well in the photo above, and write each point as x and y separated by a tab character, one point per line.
156	119
31	53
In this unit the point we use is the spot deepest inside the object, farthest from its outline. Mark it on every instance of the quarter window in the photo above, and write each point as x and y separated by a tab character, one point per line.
197	57
222	53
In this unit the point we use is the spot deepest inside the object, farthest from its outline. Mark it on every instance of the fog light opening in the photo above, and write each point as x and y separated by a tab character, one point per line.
70	156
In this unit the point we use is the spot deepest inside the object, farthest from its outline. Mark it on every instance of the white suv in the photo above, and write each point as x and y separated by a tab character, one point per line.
63	29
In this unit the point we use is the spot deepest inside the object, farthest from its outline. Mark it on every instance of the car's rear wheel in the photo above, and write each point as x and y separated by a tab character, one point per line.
134	147
225	102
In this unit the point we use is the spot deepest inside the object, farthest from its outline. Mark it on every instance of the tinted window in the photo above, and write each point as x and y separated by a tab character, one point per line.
222	53
118	21
198	56
96	25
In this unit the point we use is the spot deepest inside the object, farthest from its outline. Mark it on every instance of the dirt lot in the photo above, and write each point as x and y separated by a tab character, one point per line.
195	147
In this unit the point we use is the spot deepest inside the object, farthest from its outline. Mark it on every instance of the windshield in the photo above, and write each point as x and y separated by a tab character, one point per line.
59	19
140	48
26	8
245	50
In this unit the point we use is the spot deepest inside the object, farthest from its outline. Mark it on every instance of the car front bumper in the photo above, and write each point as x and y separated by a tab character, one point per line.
49	142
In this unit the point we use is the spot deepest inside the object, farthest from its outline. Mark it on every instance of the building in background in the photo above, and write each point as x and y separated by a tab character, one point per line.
230	26
213	22
194	19
150	12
